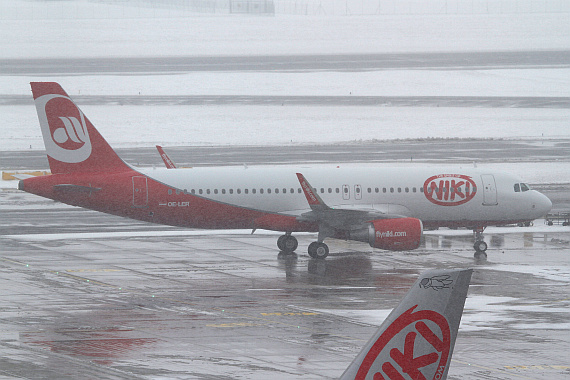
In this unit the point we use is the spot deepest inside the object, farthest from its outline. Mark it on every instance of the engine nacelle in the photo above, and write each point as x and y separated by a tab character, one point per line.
399	234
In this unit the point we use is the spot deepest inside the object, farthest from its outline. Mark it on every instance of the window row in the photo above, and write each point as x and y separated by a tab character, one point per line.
337	190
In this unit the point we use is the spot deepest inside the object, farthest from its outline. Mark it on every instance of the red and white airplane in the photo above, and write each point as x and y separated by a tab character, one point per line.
385	207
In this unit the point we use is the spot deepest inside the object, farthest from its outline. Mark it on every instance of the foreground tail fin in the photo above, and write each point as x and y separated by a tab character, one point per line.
72	142
417	339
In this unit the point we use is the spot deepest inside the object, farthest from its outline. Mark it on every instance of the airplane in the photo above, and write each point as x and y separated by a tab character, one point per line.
167	161
387	208
416	341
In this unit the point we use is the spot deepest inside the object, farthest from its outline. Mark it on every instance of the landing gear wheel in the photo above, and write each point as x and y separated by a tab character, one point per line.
280	242
480	246
318	250
287	243
480	255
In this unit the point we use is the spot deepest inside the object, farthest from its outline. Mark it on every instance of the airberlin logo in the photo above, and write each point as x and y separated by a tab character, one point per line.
450	189
424	330
64	128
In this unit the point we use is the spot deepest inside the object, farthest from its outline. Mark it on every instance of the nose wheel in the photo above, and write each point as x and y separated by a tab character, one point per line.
480	246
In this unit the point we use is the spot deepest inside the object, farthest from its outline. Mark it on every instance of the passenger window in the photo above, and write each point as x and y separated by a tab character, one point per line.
200	191
407	189
231	191
268	191
238	191
330	190
285	191
399	189
208	191
414	190
253	191
337	190
517	188
369	190
383	189
421	189
299	190
391	189
193	191
223	191
291	190
215	191
260	191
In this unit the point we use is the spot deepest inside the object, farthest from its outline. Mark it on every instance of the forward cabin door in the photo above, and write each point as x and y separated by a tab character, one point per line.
140	192
489	190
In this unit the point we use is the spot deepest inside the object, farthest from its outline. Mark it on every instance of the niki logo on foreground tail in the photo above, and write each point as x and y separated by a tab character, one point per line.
384	207
416	340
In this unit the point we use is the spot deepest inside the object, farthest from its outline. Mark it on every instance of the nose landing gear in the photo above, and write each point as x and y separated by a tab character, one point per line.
480	246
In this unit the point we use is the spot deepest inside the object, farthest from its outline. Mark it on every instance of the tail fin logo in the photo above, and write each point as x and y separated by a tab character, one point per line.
64	128
418	343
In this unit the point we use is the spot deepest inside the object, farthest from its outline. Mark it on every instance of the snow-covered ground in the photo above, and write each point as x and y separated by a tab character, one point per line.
81	28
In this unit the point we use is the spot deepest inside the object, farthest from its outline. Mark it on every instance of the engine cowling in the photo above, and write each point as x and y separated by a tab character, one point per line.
399	234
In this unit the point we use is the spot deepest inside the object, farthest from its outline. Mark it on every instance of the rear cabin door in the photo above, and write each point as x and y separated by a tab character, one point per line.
140	192
489	190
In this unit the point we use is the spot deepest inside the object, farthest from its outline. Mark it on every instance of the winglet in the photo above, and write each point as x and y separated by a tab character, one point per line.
167	161
315	201
417	339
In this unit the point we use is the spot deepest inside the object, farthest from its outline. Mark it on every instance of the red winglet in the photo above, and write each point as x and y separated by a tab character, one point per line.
312	197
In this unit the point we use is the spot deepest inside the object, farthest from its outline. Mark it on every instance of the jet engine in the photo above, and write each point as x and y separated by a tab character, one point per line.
398	234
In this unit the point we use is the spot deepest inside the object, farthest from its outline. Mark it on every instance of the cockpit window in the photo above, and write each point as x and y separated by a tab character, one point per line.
517	188
525	187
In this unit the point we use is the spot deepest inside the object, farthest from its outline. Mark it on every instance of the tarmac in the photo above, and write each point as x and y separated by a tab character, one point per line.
89	295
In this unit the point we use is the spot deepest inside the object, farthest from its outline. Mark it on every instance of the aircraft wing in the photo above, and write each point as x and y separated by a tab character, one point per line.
345	218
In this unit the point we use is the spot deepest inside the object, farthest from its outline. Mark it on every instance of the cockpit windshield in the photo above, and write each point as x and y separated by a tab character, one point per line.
521	187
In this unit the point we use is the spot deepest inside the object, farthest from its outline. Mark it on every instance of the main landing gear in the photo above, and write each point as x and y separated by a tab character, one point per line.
480	246
318	250
288	244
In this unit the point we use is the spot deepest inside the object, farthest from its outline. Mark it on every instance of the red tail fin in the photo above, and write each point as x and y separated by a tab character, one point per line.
72	142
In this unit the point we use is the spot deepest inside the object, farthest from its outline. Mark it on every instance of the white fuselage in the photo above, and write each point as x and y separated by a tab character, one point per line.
493	198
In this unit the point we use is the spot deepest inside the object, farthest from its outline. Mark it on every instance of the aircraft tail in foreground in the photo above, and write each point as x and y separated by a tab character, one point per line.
416	340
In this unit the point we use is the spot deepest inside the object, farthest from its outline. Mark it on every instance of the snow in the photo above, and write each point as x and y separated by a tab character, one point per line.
81	28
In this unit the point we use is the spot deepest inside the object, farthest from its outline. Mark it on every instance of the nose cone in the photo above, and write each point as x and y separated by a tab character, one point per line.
541	205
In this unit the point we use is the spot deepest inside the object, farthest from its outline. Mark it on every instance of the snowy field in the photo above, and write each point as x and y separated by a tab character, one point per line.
36	29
